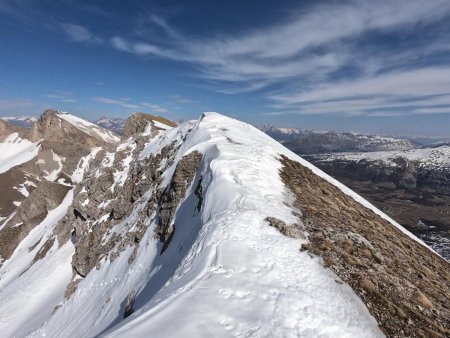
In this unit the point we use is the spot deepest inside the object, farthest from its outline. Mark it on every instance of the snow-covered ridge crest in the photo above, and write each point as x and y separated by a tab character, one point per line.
89	128
184	227
15	151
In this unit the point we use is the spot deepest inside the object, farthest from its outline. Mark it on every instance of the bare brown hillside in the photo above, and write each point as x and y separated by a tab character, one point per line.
405	286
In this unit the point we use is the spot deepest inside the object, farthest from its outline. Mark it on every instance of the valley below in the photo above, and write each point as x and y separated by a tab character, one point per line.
407	181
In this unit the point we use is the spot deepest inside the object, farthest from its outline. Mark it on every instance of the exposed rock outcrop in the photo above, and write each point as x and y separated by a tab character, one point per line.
32	211
7	129
15	184
65	139
182	179
140	122
109	202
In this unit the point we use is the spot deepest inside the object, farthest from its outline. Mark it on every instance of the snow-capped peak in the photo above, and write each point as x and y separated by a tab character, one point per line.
89	127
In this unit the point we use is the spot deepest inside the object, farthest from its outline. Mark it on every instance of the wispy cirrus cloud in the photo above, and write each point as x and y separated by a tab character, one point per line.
79	33
325	52
155	108
419	91
66	98
142	49
119	102
286	50
19	106
182	100
127	103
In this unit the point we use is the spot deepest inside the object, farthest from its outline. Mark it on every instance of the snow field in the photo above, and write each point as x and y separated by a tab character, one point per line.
15	151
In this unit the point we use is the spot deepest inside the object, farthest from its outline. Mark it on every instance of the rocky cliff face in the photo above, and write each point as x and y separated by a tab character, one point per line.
68	137
29	214
7	129
33	185
215	217
139	123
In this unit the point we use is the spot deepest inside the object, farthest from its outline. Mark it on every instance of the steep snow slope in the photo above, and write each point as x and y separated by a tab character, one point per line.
89	128
28	299
15	151
213	268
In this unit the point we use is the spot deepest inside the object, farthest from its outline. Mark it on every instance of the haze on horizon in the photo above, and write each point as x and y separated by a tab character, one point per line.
380	67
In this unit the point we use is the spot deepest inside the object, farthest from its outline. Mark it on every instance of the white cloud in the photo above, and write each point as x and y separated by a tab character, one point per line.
55	96
118	102
155	108
63	97
79	33
416	82
303	53
182	100
142	49
417	91
285	51
125	102
162	23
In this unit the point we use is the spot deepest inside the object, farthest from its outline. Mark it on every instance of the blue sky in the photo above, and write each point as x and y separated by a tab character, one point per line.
370	66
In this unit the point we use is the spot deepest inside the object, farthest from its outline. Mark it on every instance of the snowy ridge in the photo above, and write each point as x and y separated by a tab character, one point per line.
161	125
89	128
225	267
225	271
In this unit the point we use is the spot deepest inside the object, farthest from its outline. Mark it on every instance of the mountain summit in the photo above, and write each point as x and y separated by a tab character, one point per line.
208	228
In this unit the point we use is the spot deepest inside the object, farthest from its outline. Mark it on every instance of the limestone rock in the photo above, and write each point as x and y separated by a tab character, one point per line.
32	211
140	122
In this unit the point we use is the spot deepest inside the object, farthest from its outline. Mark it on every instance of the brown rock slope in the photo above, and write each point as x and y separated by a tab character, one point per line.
62	145
64	139
32	211
13	179
7	129
405	286
137	123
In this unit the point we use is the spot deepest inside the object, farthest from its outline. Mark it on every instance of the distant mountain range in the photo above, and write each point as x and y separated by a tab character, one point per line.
115	124
298	140
20	121
315	142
